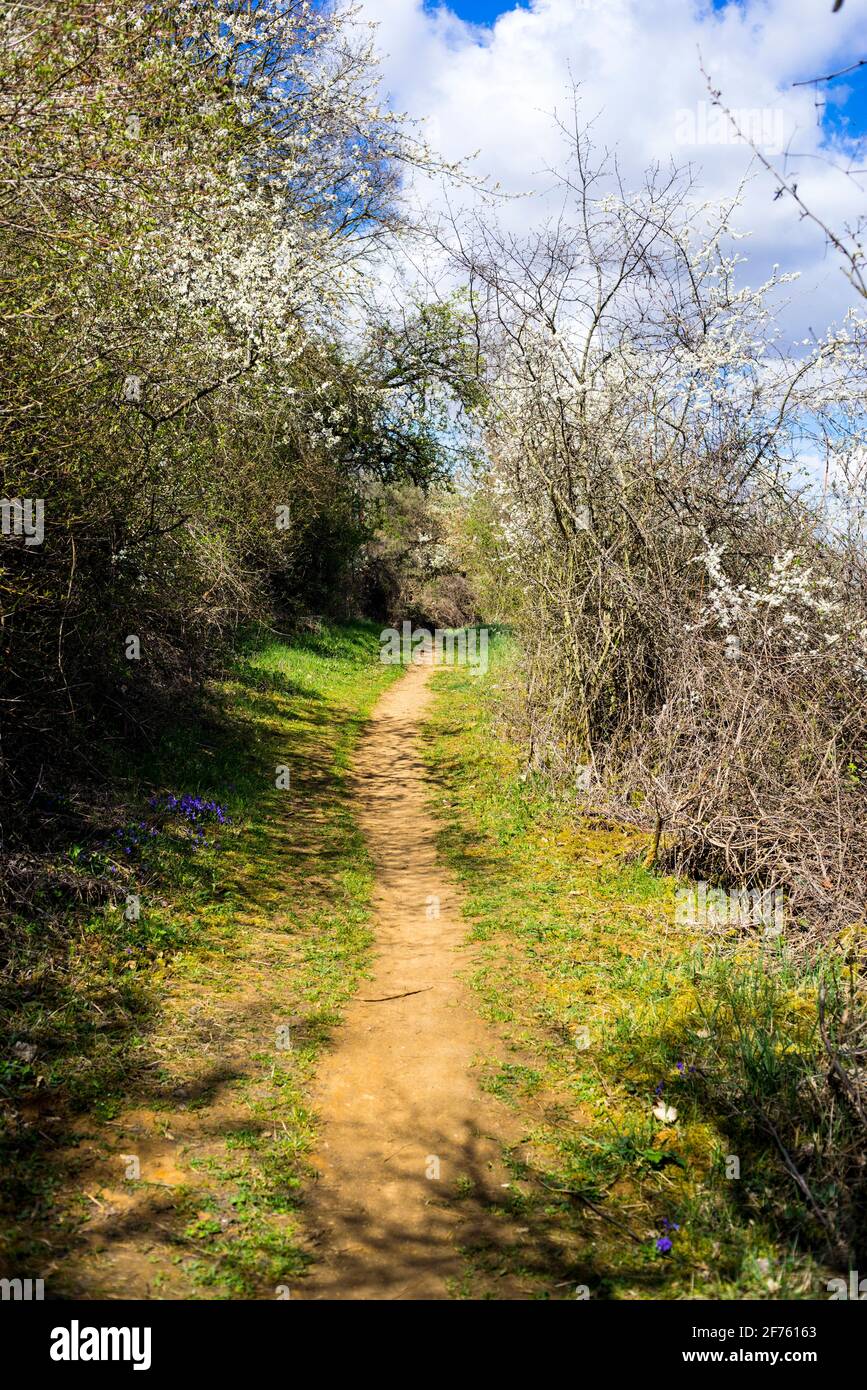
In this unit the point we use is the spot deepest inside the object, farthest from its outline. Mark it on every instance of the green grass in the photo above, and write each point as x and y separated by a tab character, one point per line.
165	1036
245	942
609	1007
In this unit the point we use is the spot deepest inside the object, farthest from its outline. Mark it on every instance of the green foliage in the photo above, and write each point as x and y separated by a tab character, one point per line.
194	379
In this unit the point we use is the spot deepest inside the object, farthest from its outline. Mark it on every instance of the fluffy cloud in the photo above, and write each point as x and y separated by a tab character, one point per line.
637	64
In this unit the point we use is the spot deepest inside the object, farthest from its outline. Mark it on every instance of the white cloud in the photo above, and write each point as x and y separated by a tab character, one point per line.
637	64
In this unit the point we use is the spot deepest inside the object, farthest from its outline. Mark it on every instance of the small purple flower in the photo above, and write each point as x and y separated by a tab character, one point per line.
663	1245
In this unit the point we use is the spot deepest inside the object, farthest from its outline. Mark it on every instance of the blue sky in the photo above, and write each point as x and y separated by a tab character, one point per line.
845	114
497	97
479	11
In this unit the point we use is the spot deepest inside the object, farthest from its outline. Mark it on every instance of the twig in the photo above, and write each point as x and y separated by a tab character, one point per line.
380	999
801	1181
808	82
652	853
606	1216
836	1066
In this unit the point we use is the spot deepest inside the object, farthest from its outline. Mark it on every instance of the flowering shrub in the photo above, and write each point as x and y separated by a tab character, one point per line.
673	505
198	198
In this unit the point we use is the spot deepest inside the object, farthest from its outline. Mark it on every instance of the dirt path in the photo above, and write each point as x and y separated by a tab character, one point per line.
406	1157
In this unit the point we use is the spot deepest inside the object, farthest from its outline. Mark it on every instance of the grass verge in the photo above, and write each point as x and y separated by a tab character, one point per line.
682	1137
154	1121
